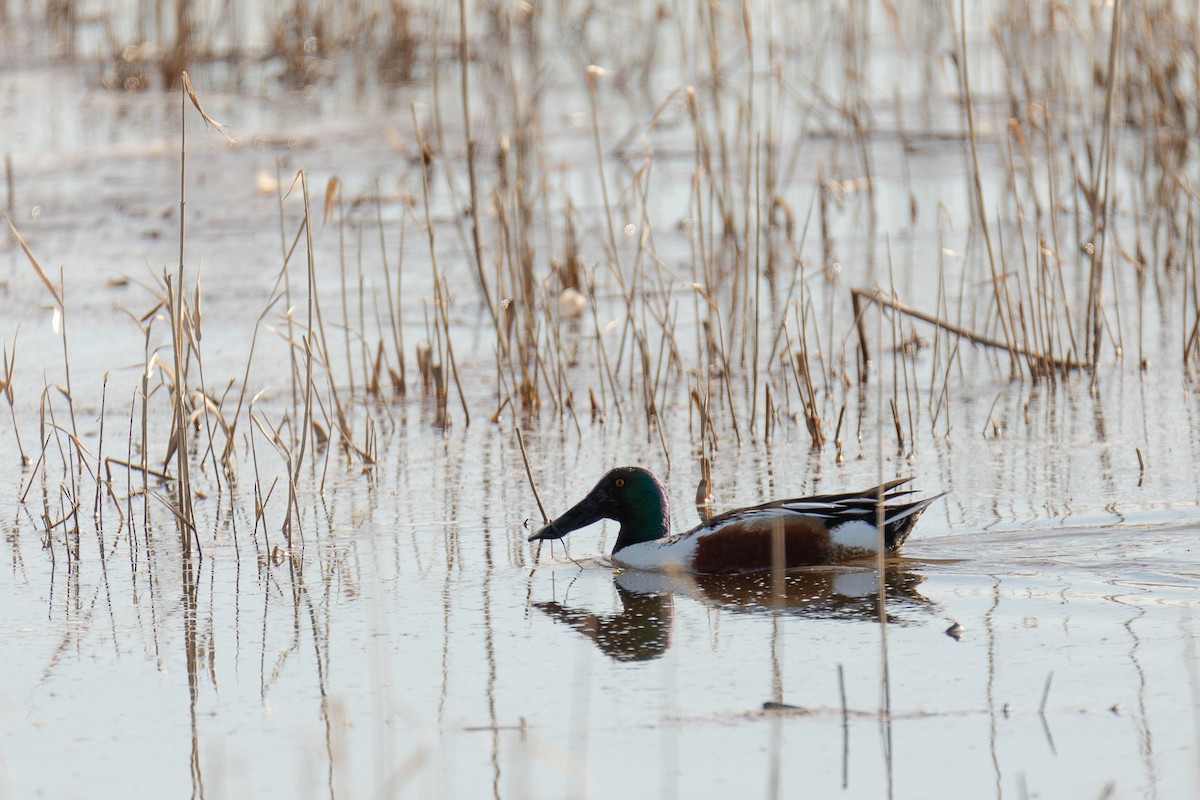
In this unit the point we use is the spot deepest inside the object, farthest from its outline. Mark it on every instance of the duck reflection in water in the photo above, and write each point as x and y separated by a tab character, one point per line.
641	630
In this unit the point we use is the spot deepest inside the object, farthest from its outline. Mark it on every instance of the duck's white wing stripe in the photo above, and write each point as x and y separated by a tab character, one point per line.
815	509
854	507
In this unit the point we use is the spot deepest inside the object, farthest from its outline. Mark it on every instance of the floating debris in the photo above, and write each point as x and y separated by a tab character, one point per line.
786	708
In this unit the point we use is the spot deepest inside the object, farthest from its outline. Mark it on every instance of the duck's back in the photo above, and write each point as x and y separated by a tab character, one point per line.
824	529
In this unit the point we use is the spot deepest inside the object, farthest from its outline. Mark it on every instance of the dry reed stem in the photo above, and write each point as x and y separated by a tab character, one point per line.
9	181
441	309
464	64
184	512
133	466
529	474
395	319
977	186
881	562
212	123
9	364
1100	178
55	292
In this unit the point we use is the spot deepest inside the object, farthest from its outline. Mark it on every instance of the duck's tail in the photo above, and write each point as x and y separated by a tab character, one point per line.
898	517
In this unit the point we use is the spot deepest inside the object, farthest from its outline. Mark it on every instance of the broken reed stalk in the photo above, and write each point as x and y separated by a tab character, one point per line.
133	466
877	296
37	266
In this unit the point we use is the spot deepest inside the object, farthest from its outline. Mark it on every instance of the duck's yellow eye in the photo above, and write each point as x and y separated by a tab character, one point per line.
620	482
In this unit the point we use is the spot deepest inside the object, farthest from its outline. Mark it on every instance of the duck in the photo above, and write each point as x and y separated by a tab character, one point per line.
816	530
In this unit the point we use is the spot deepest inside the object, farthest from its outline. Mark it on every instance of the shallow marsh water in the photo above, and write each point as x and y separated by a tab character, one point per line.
409	641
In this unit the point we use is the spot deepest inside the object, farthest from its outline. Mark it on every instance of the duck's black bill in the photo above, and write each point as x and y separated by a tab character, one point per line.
582	514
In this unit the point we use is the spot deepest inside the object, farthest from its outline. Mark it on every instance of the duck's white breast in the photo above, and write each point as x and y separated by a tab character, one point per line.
659	555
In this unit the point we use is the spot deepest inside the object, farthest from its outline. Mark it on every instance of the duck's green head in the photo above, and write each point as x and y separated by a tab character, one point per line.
631	496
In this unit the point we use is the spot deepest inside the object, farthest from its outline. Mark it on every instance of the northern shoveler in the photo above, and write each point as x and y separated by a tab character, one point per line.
823	529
